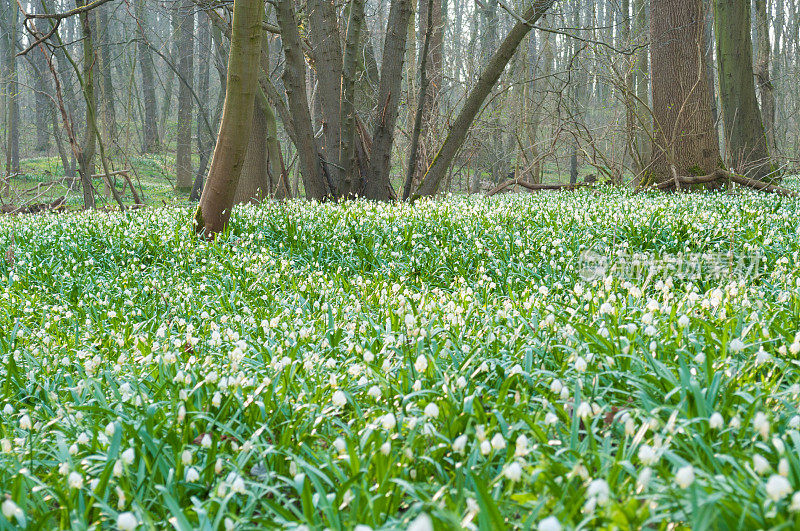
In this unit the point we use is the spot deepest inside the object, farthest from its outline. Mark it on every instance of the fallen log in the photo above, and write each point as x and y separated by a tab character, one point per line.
532	187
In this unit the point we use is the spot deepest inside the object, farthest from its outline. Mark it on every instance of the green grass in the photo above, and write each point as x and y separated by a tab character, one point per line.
331	365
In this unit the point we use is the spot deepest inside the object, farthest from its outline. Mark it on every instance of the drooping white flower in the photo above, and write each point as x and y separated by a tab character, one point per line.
460	443
388	421
422	522
339	398
186	457
599	491
778	487
795	505
647	455
683	321
192	474
715	421
684	477
11	510
75	480
128	456
432	410
513	471
421	364
760	464
550	523
736	345
761	424
25	422
498	442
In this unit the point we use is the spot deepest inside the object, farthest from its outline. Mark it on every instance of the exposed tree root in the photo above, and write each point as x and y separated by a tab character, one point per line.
723	175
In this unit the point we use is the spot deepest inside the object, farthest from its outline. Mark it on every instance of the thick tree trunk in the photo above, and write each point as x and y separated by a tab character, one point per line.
744	130
253	183
763	70
146	68
183	152
349	183
215	206
489	76
328	69
378	186
684	136
86	154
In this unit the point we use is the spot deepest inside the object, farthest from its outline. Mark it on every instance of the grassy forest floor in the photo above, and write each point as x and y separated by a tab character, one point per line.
596	359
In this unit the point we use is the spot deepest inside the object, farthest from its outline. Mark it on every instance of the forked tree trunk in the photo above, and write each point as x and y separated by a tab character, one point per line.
294	82
378	185
489	76
745	138
214	210
684	133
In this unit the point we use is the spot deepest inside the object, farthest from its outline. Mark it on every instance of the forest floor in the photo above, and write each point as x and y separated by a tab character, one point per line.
597	358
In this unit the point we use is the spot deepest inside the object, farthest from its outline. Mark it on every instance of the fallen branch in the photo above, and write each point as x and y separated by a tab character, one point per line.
532	187
725	175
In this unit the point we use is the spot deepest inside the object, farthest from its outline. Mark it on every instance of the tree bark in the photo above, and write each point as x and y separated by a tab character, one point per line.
763	70
11	89
349	183
745	139
378	186
214	210
684	135
183	153
253	184
294	82
489	76
146	68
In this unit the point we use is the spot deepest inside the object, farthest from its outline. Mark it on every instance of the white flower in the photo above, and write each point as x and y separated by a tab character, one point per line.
11	510
550	523
422	522
760	465
584	410
340	445
8	409
83	438
432	410
761	424
736	345
685	476
205	441
606	308
386	448
110	429
186	457
580	364
599	491
795	505
127	521
550	418
460	443
650	331
237	485
388	421
75	480
128	456
498	442
647	455
461	382
783	467
374	392
644	478
778	487
421	364
486	447
521	446
25	422
683	321
339	398
715	421
192	474
513	472
556	386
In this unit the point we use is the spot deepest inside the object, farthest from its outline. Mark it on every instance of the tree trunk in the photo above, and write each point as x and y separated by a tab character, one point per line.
183	152
214	210
378	186
746	141
85	156
474	101
253	183
204	137
763	70
349	183
44	107
12	89
294	82
150	117
684	135
106	87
